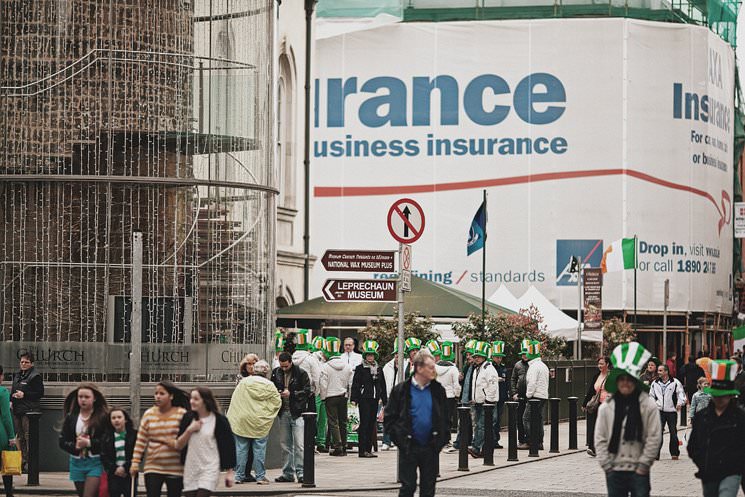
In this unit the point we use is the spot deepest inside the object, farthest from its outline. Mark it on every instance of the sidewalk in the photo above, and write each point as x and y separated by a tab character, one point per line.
346	474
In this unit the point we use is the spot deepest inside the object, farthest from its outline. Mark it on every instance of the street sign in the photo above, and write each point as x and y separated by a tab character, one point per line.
405	265
359	291
377	261
593	287
406	220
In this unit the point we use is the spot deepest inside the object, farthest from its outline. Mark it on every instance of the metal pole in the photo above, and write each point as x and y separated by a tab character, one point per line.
400	357
664	319
135	326
572	423
511	430
636	264
309	453
579	310
309	7
483	275
488	449
464	415
554	405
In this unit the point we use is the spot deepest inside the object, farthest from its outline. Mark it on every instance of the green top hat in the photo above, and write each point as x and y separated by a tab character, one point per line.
302	339
412	343
723	373
534	350
497	348
448	351
434	348
630	359
525	346
332	347
370	347
470	344
279	341
317	343
482	349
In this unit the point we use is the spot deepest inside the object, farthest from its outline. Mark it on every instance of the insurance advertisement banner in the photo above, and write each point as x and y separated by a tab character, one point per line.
582	132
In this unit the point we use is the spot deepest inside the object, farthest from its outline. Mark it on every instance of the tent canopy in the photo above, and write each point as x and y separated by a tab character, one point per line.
558	324
504	298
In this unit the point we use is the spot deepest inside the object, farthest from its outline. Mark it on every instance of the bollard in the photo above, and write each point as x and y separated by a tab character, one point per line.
488	449
464	418
683	417
309	450
554	407
33	448
535	426
572	423
511	430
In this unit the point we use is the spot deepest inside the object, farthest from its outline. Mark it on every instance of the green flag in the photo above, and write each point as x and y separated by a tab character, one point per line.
738	333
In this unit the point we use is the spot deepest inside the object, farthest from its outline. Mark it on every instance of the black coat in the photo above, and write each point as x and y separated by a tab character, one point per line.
223	435
364	387
67	437
590	389
717	443
300	389
690	373
518	383
108	452
397	418
32	386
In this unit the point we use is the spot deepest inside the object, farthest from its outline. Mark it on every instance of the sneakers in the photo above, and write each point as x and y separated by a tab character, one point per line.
385	447
284	479
474	453
263	481
591	453
497	446
337	452
322	449
675	458
367	455
451	450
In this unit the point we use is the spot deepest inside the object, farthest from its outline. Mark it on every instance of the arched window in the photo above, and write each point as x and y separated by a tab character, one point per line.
285	134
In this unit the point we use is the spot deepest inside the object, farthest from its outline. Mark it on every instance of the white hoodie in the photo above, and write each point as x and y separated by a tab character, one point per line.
485	384
308	362
537	379
447	376
389	372
336	376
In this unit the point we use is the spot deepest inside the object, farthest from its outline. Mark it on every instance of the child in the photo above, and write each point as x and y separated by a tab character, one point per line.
116	454
700	399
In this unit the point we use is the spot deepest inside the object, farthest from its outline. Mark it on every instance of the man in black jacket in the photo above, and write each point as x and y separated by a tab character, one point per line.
518	392
294	387
717	441
416	419
368	389
25	397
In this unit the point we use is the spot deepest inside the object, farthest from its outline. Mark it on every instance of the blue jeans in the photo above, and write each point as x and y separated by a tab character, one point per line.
477	416
726	487
292	444
242	446
623	483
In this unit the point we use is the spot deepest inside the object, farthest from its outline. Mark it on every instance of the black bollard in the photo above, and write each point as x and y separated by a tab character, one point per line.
535	425
511	430
683	417
464	422
33	448
309	450
572	423
488	450
554	406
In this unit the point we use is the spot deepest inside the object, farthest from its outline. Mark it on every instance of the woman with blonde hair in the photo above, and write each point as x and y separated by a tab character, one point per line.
245	368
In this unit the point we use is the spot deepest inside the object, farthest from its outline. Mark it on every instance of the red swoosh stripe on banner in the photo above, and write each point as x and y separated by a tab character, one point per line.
364	191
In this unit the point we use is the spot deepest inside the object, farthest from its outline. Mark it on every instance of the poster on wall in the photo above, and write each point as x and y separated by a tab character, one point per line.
582	131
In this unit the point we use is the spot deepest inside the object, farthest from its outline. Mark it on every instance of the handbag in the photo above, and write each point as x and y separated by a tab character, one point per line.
103	485
594	403
11	463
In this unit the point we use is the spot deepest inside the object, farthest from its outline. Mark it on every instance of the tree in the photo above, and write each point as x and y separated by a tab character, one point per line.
616	332
385	331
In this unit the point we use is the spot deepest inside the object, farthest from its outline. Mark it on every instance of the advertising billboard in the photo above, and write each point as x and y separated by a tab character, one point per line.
581	131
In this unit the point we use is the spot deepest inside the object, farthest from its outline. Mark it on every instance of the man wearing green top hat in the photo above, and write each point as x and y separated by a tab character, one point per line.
317	345
484	390
536	387
412	345
447	375
497	355
368	390
465	394
336	375
717	441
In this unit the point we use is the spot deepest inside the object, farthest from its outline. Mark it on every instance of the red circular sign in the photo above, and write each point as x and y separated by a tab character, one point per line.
406	220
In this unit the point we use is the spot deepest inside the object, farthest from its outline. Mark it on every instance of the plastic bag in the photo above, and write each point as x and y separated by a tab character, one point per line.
11	462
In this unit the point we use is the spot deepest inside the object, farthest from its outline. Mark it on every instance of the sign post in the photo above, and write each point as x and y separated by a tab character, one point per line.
135	327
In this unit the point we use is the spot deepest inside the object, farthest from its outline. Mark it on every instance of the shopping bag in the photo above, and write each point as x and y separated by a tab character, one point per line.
103	485
11	462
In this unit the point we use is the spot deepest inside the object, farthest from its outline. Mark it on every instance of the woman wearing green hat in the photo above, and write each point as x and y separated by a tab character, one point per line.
628	431
368	389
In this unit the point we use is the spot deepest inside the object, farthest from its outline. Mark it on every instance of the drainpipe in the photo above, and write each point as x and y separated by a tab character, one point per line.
309	7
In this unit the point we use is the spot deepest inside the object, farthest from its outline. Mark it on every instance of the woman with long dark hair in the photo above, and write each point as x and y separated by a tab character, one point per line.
158	430
596	395
83	433
116	454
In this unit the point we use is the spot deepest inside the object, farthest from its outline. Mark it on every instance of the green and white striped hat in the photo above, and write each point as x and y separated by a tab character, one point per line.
497	348
332	347
370	347
534	349
525	346
723	373
630	359
448	351
412	343
470	344
434	348
317	343
482	349
302	339
279	341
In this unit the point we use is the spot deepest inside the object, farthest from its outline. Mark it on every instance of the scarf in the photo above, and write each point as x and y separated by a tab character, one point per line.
373	368
626	407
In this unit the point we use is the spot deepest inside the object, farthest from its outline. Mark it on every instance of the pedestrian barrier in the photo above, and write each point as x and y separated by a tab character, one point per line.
488	450
554	408
535	426
572	423
464	418
511	430
309	450
33	448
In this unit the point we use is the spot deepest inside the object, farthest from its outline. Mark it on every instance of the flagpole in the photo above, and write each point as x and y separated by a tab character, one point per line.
483	273
636	263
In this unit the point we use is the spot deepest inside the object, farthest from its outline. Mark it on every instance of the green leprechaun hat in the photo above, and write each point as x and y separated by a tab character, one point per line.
630	359
302	339
317	343
723	373
470	344
497	348
448	351
412	343
525	346
534	350
279	341
332	347
482	349
434	348
370	347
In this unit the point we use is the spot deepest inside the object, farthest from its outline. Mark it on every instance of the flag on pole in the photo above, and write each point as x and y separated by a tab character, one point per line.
620	255
738	333
477	233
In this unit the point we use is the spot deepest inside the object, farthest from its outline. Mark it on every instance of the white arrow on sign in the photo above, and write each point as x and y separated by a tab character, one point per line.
327	290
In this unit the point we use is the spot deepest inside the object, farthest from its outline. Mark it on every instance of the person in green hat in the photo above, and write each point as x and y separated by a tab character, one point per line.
368	391
465	395
484	387
317	345
518	388
412	345
336	376
447	375
497	356
628	431
717	441
536	387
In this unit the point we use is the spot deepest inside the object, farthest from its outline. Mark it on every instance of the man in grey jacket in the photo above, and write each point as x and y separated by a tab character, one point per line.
518	387
628	430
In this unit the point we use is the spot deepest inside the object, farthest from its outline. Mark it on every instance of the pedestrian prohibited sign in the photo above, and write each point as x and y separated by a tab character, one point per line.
406	220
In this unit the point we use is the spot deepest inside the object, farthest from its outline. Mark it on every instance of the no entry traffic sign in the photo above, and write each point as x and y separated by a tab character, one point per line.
359	291
406	220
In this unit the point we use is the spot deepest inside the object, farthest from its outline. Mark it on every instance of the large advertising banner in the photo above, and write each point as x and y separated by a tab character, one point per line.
582	132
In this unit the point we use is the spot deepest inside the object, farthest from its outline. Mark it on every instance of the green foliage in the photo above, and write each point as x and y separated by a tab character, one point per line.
512	329
616	332
385	331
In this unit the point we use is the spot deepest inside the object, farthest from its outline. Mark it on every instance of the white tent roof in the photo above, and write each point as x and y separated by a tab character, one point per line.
504	298
558	324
